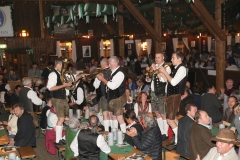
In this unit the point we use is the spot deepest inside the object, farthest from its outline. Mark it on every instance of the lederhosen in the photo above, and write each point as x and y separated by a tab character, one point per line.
157	96
101	93
174	95
117	98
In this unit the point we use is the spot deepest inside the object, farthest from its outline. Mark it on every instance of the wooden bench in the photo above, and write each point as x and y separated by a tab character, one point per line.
27	153
60	150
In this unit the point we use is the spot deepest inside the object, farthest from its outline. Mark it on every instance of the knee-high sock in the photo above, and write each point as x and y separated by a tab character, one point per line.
111	123
175	130
58	133
160	125
106	125
165	126
123	127
115	124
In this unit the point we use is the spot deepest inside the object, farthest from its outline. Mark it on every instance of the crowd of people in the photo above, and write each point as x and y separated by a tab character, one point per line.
145	109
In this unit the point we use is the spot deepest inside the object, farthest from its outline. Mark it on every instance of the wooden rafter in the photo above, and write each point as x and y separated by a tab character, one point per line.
132	9
109	28
202	13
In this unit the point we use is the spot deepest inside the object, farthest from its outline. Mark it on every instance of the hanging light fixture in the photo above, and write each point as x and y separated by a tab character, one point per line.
24	33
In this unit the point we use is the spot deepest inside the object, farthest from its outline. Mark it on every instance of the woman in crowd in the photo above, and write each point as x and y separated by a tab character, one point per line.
229	112
129	104
132	121
11	124
142	106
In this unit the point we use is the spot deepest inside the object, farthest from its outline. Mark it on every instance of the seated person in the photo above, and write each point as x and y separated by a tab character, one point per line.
88	143
43	122
186	98
229	112
12	76
225	141
14	98
51	132
132	121
129	104
5	91
26	130
11	124
150	141
71	131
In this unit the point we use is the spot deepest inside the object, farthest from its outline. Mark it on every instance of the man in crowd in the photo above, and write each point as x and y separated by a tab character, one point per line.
224	150
175	87
115	92
200	135
12	76
88	143
158	85
14	98
141	86
29	98
226	92
184	127
150	141
186	98
211	104
26	130
34	72
46	71
101	94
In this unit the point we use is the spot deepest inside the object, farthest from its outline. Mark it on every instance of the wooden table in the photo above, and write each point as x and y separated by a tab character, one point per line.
27	153
7	153
115	156
4	139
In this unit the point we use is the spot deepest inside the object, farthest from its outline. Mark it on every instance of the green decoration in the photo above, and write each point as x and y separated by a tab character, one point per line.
87	19
80	11
18	51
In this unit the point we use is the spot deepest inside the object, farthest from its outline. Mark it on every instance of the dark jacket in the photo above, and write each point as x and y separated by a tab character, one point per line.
197	100
150	142
211	104
26	131
228	115
43	122
184	102
138	68
184	127
200	141
139	129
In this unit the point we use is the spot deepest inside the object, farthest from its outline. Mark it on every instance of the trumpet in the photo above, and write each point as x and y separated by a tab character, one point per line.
94	73
149	73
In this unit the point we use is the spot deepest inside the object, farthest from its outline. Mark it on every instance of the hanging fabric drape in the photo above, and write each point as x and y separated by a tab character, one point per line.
209	41
74	52
185	41
101	48
138	46
229	40
58	49
111	47
149	45
237	39
175	44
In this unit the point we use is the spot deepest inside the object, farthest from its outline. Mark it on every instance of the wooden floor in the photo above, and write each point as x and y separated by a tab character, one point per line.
42	154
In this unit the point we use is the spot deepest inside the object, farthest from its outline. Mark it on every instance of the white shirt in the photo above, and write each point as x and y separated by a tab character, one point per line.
168	69
136	108
33	96
181	73
96	83
53	119
52	81
205	125
7	87
80	95
12	122
116	80
101	143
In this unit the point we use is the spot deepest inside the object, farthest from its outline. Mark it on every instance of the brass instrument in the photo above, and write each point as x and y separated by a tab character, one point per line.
149	73
67	76
94	73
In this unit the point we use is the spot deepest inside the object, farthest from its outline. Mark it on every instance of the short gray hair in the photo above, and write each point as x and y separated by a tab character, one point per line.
84	125
104	62
114	58
26	81
73	123
149	120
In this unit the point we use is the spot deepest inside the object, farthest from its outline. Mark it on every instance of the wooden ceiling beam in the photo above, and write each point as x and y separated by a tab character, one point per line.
138	16
202	13
109	28
100	1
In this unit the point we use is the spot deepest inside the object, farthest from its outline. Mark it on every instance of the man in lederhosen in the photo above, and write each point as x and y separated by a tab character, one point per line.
158	85
115	92
101	94
177	80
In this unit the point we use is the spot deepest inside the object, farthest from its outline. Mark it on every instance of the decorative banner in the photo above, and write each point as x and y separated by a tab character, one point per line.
6	28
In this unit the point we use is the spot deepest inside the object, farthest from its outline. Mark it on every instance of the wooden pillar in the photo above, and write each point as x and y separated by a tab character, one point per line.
158	26
120	30
41	18
220	48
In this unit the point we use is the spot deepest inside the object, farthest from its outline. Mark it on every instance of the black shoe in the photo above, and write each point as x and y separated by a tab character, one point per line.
164	137
172	145
63	140
60	143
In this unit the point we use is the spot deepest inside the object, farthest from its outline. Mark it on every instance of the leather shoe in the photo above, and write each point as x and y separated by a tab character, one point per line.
172	145
164	137
60	143
63	140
